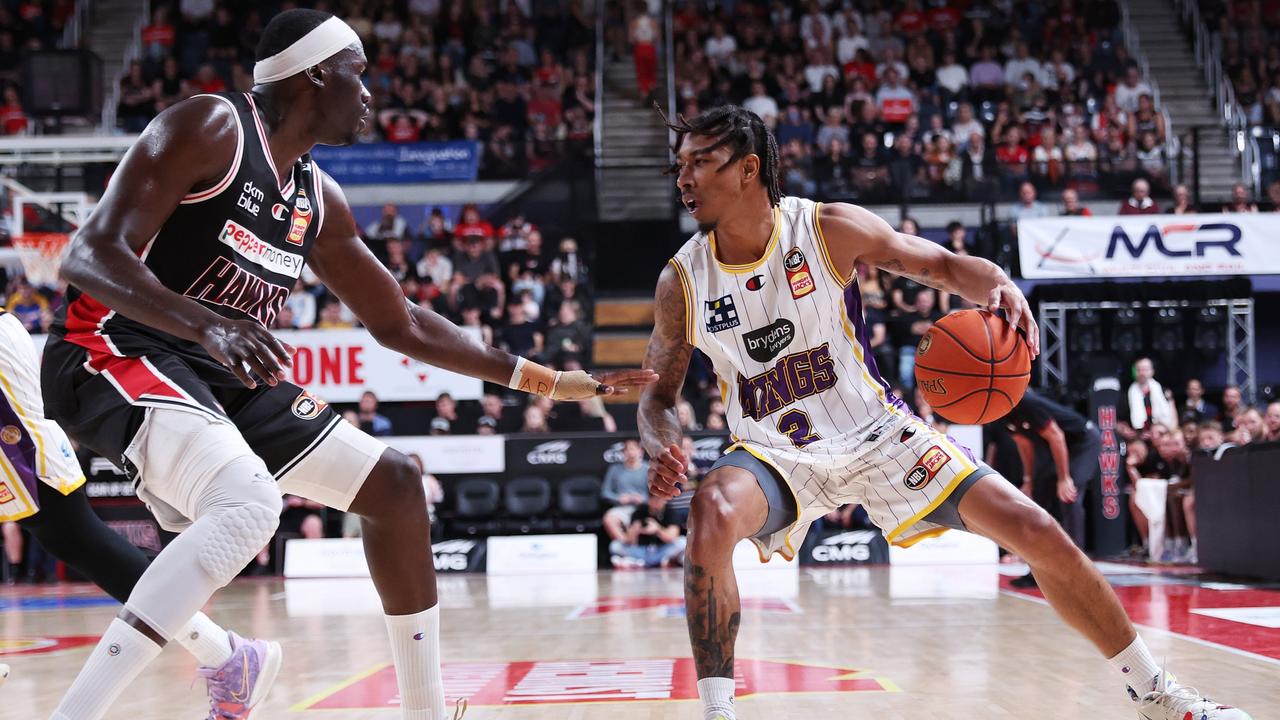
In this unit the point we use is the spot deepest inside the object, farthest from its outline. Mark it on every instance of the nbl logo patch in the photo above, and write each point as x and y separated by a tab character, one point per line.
722	314
798	275
308	407
928	466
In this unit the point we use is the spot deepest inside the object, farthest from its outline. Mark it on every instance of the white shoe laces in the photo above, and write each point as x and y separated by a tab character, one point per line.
1179	697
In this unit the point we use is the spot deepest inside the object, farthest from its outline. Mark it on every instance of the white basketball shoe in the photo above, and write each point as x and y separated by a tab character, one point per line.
1179	702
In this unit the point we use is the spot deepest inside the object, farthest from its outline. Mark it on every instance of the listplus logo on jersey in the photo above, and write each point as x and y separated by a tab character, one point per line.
301	219
722	314
798	275
764	344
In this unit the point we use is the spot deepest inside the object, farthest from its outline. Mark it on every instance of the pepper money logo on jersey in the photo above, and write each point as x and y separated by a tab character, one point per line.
253	249
721	314
793	378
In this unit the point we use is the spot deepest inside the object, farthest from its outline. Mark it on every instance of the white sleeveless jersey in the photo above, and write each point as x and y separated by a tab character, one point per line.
787	339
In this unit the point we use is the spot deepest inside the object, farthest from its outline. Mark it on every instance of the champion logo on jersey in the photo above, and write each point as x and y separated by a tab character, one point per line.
798	275
279	211
722	314
755	283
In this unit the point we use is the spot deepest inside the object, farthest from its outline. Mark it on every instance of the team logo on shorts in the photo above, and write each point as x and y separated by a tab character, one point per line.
722	314
10	434
925	470
798	275
6	495
307	406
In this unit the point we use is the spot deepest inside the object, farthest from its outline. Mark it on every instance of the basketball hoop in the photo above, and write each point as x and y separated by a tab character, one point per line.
41	256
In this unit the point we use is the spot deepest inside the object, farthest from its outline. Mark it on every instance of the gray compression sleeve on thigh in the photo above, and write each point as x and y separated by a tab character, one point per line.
782	504
236	517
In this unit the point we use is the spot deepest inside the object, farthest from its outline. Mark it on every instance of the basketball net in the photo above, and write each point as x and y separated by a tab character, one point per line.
41	256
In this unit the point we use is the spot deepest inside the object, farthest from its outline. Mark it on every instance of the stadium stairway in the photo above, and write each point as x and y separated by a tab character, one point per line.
110	33
634	150
622	327
1184	93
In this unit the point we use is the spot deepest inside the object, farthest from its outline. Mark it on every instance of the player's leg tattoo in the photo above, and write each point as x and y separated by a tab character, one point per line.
713	614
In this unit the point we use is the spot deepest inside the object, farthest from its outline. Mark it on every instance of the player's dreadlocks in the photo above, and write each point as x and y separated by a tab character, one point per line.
740	129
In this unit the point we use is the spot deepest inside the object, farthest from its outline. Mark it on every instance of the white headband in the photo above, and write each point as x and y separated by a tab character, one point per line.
326	40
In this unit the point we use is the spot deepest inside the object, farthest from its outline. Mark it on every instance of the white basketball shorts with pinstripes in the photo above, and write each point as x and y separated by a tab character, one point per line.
901	473
33	448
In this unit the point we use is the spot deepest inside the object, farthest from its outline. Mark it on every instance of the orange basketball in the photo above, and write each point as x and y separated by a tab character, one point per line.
972	367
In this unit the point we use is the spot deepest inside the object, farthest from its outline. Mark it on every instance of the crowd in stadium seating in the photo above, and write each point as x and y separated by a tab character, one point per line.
517	81
879	102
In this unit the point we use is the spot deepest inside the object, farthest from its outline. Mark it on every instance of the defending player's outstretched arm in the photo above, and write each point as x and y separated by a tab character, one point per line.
668	354
189	147
350	271
853	234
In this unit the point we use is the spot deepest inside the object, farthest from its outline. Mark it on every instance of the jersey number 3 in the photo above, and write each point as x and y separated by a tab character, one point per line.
795	425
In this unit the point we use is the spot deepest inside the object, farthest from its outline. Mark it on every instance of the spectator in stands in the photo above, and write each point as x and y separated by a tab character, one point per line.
333	316
1272	422
158	37
884	352
1139	202
1232	406
906	168
986	77
519	335
1181	201
492	407
476	280
625	487
1136	458
894	101
761	104
975	170
915	324
1146	118
1151	158
436	269
302	517
446	409
1147	401
370	420
569	335
390	225
1028	206
1250	427
303	305
137	100
952	78
568	262
1129	90
870	168
29	307
652	537
957	238
13	119
1071	204
1012	156
535	420
1197	409
1239	201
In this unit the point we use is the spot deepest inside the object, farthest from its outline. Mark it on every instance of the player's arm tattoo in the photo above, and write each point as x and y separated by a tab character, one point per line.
668	355
713	623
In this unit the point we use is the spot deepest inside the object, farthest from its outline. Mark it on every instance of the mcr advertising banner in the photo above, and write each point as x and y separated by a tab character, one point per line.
1148	246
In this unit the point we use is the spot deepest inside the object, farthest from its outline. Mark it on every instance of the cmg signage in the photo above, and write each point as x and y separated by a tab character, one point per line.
1148	246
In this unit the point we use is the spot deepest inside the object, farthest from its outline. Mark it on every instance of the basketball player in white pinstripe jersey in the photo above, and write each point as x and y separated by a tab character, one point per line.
767	291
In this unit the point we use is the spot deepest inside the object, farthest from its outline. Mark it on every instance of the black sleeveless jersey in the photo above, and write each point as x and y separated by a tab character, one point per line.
237	248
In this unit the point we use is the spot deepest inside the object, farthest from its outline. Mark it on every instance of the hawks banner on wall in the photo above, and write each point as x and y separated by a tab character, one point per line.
1148	246
339	365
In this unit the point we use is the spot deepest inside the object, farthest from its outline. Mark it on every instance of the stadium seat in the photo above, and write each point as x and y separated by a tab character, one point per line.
579	504
527	500
477	504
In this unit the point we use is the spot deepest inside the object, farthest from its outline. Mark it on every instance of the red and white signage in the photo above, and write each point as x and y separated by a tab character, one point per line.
596	681
339	365
672	606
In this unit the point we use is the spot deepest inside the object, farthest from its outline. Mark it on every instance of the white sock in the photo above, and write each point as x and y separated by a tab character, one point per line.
415	649
206	640
1137	667
120	656
717	698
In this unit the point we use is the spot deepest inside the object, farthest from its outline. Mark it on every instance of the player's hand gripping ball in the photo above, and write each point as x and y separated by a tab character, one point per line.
972	367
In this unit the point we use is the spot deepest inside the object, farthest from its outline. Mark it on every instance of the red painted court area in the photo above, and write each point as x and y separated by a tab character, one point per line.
1237	616
578	681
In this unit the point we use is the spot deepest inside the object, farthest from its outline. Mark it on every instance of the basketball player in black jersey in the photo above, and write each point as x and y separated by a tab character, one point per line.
162	360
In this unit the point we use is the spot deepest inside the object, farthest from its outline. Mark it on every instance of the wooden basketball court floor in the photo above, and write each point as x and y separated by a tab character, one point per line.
887	643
